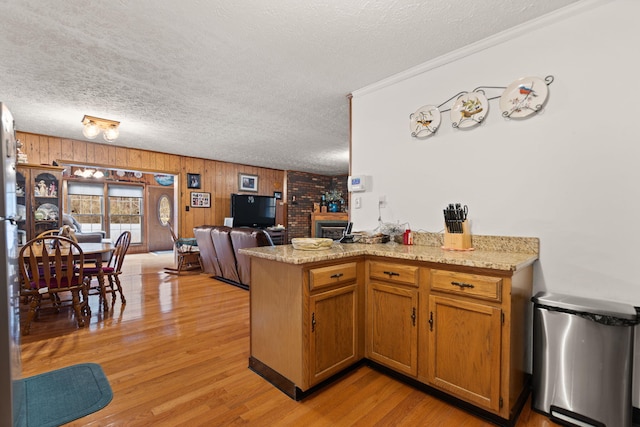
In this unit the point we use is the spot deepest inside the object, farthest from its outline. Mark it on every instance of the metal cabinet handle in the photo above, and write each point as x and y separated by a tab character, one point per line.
391	273
413	316
431	321
313	322
462	285
336	276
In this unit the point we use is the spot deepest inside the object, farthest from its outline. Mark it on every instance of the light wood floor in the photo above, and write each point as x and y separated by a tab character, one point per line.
177	354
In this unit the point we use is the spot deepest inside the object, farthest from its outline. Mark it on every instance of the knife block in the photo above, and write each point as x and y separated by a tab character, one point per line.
458	241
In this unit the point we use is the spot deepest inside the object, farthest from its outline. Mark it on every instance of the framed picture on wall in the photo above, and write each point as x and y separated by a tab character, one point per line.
193	180
200	200
247	182
277	195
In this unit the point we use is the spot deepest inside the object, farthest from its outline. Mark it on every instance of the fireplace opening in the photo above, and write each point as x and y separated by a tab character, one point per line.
330	229
331	232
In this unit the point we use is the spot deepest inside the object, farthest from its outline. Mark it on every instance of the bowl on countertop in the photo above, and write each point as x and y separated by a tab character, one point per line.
311	243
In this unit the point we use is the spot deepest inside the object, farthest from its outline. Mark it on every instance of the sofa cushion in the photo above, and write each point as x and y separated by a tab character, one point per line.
224	252
208	254
219	247
71	222
89	237
247	238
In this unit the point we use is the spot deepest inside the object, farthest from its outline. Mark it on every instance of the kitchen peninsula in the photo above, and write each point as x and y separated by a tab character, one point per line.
453	323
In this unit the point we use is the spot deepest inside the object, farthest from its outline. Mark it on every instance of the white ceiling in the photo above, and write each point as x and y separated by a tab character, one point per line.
255	82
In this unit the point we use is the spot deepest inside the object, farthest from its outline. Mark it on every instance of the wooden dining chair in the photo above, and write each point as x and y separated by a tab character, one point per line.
52	266
48	233
65	231
111	273
187	254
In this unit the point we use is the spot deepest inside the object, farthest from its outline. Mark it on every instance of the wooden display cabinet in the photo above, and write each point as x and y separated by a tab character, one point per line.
38	192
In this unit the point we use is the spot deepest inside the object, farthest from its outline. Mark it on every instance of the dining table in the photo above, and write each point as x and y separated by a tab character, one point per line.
97	251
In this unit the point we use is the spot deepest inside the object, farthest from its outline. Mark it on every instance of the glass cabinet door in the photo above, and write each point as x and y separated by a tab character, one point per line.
38	198
21	214
46	208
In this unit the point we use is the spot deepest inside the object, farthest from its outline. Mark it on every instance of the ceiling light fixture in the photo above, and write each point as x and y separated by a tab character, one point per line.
88	173
93	126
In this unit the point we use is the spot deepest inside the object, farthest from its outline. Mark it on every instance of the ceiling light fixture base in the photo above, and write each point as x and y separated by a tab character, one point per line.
93	126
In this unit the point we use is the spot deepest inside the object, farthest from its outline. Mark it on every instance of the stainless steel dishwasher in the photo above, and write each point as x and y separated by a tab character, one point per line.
582	360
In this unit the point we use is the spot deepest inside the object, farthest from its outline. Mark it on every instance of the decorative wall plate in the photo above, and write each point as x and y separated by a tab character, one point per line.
47	211
469	110
424	121
164	179
524	97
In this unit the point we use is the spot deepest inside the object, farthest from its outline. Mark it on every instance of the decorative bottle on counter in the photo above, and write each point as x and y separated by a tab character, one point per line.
323	204
407	237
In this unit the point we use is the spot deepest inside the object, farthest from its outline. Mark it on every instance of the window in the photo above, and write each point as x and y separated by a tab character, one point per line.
85	202
126	211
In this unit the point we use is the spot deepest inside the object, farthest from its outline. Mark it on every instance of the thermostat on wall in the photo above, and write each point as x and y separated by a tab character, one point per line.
357	183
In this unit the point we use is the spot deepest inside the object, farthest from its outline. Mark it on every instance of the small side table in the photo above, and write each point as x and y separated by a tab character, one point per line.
278	237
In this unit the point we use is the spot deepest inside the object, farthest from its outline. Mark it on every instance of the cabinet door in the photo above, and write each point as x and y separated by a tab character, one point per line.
23	206
464	350
47	212
333	337
392	327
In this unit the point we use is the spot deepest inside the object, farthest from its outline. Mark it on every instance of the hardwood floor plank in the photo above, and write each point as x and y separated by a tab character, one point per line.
177	355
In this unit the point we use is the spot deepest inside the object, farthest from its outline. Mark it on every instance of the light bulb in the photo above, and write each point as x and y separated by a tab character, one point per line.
111	133
91	130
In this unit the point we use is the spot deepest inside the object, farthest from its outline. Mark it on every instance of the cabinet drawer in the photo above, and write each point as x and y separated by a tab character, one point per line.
474	285
396	273
332	275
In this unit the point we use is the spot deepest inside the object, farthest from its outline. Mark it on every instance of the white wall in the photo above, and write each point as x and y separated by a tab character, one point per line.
568	175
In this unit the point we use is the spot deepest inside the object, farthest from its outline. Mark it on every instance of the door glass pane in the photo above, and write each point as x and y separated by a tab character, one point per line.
164	210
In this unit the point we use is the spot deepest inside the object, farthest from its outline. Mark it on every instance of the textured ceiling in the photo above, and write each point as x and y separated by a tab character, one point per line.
256	82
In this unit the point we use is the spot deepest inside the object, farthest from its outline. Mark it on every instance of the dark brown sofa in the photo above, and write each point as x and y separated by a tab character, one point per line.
219	247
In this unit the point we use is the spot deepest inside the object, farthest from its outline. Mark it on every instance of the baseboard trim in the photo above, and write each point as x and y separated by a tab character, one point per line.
288	387
466	406
231	282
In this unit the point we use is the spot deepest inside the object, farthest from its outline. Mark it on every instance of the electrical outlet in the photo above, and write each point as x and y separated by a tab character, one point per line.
357	202
382	201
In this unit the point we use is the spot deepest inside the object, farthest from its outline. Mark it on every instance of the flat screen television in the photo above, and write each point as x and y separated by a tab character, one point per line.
253	211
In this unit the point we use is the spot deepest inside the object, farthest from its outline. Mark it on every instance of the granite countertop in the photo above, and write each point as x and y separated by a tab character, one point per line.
506	253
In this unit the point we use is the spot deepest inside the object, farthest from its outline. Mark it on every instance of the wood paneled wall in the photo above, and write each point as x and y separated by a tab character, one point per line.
218	178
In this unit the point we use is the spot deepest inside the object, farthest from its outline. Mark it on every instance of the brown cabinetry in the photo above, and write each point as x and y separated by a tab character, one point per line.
306	322
333	343
464	350
461	330
39	200
473	345
392	311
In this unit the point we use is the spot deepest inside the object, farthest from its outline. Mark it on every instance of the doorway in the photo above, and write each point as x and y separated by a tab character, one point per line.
160	210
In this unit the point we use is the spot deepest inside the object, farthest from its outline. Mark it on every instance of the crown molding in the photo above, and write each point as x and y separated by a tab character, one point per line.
501	37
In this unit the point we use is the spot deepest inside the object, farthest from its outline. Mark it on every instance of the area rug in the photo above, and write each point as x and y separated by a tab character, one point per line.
58	397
